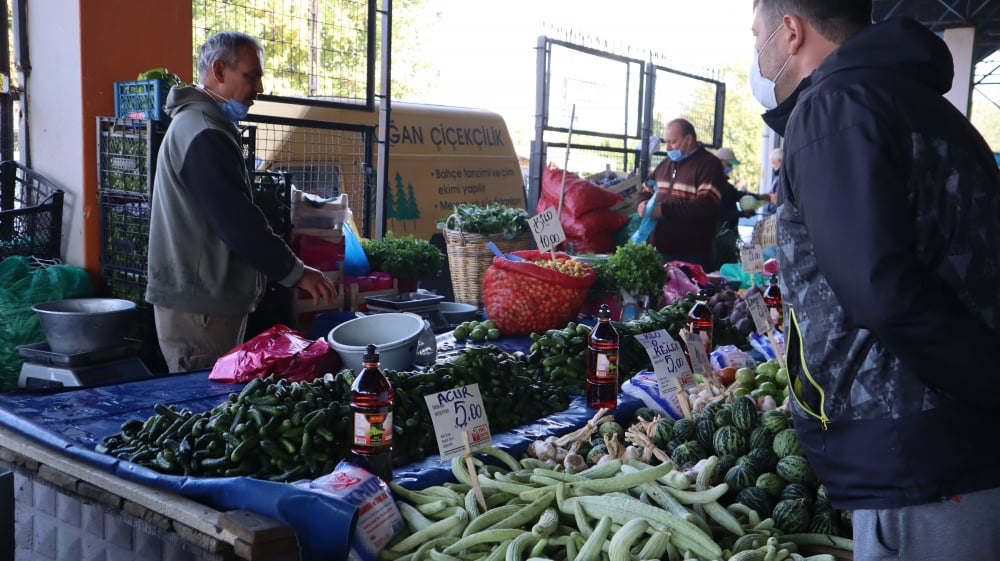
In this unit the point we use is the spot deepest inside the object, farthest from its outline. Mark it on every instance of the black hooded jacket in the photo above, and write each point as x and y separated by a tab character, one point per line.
889	251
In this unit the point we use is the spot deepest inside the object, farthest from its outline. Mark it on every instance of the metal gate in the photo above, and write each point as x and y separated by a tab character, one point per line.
616	102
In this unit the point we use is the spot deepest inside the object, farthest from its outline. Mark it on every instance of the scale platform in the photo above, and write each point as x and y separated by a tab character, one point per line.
45	369
423	304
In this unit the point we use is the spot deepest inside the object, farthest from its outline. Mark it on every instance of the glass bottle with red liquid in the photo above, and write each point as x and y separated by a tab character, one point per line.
602	362
700	319
371	410
772	299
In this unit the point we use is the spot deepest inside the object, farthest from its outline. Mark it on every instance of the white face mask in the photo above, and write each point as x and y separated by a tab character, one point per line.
763	88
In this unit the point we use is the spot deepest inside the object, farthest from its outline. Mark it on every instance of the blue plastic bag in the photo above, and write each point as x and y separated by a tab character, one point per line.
648	223
355	261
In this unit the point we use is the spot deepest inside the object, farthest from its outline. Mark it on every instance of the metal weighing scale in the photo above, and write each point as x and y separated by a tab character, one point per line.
423	304
45	369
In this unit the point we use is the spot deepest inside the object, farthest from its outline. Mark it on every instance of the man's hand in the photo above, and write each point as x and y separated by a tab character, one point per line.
317	285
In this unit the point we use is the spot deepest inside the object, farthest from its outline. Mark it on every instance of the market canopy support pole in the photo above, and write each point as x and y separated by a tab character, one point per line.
7	516
562	186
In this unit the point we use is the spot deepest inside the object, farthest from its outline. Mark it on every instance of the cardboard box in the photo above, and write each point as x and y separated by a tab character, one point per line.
627	189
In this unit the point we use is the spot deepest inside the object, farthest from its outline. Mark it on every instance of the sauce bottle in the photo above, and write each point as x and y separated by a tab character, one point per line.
772	299
700	319
371	410
602	362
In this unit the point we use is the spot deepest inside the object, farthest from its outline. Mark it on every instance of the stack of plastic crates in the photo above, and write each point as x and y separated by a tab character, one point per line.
126	164
31	210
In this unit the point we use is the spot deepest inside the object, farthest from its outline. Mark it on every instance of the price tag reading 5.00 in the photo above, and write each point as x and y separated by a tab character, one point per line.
454	412
547	229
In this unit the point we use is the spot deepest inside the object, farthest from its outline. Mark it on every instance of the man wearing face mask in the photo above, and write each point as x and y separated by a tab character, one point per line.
689	183
888	241
211	249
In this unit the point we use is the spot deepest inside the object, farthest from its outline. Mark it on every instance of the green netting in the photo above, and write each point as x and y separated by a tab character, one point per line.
22	285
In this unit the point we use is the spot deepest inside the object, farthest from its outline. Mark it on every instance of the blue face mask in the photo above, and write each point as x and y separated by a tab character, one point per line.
727	170
235	110
675	155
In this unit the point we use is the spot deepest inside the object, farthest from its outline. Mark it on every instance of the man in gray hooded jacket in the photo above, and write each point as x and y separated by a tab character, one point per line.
211	249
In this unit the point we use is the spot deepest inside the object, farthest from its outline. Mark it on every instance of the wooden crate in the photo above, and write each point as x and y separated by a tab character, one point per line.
304	311
354	298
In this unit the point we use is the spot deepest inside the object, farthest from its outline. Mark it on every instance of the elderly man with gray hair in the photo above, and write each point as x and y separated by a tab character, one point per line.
211	250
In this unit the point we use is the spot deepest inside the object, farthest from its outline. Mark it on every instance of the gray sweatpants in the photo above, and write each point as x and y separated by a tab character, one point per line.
191	341
965	527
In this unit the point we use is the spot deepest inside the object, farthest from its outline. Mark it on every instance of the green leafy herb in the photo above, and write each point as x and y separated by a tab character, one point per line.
406	257
491	219
633	268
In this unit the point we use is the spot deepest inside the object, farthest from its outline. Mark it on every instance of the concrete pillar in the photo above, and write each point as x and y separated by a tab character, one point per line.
961	42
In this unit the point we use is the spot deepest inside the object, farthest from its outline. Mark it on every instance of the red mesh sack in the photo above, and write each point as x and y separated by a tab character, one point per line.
581	196
522	297
597	243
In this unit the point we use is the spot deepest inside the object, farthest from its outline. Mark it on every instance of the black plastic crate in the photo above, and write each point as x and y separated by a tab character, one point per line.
31	210
126	154
124	231
272	193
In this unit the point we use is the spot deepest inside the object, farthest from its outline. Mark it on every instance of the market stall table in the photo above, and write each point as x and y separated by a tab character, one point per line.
58	432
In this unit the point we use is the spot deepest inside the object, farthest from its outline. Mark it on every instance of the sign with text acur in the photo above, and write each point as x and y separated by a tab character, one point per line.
458	411
669	363
547	229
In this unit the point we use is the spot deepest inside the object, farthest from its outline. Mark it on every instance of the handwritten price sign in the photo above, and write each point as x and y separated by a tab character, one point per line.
669	363
696	350
752	257
759	312
547	229
454	412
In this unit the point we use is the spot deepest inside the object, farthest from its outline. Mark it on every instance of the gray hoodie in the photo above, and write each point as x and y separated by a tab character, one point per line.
211	249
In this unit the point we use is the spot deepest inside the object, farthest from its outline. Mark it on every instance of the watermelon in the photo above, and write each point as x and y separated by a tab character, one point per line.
796	469
756	499
729	440
595	452
724	416
760	437
664	432
791	516
611	428
645	413
762	459
774	421
745	413
823	523
786	443
670	446
725	463
740	477
705	431
798	491
684	429
687	454
772	484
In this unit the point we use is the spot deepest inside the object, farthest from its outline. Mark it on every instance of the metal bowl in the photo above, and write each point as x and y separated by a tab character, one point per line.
83	325
457	312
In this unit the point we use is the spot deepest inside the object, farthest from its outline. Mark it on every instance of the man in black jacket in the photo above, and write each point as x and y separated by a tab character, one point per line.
889	250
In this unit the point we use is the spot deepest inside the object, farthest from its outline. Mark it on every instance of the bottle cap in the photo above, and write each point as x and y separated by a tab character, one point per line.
604	311
371	354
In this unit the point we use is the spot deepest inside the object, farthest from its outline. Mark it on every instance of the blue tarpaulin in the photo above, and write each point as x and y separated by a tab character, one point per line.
74	421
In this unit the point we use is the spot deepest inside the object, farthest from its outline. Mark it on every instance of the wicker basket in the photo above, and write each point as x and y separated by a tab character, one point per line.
469	257
765	231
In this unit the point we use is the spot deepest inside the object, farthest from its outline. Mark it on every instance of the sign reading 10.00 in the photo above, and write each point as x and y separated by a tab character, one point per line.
458	411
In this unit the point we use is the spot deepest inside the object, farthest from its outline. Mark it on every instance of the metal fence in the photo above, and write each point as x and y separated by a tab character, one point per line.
615	103
315	49
323	158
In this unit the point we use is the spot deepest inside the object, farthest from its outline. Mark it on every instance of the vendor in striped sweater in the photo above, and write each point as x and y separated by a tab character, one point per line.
689	183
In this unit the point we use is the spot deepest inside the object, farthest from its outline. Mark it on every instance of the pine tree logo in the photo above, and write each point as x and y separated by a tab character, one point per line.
401	204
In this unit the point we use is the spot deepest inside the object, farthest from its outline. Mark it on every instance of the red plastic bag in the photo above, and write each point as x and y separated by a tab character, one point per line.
281	351
581	196
521	297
